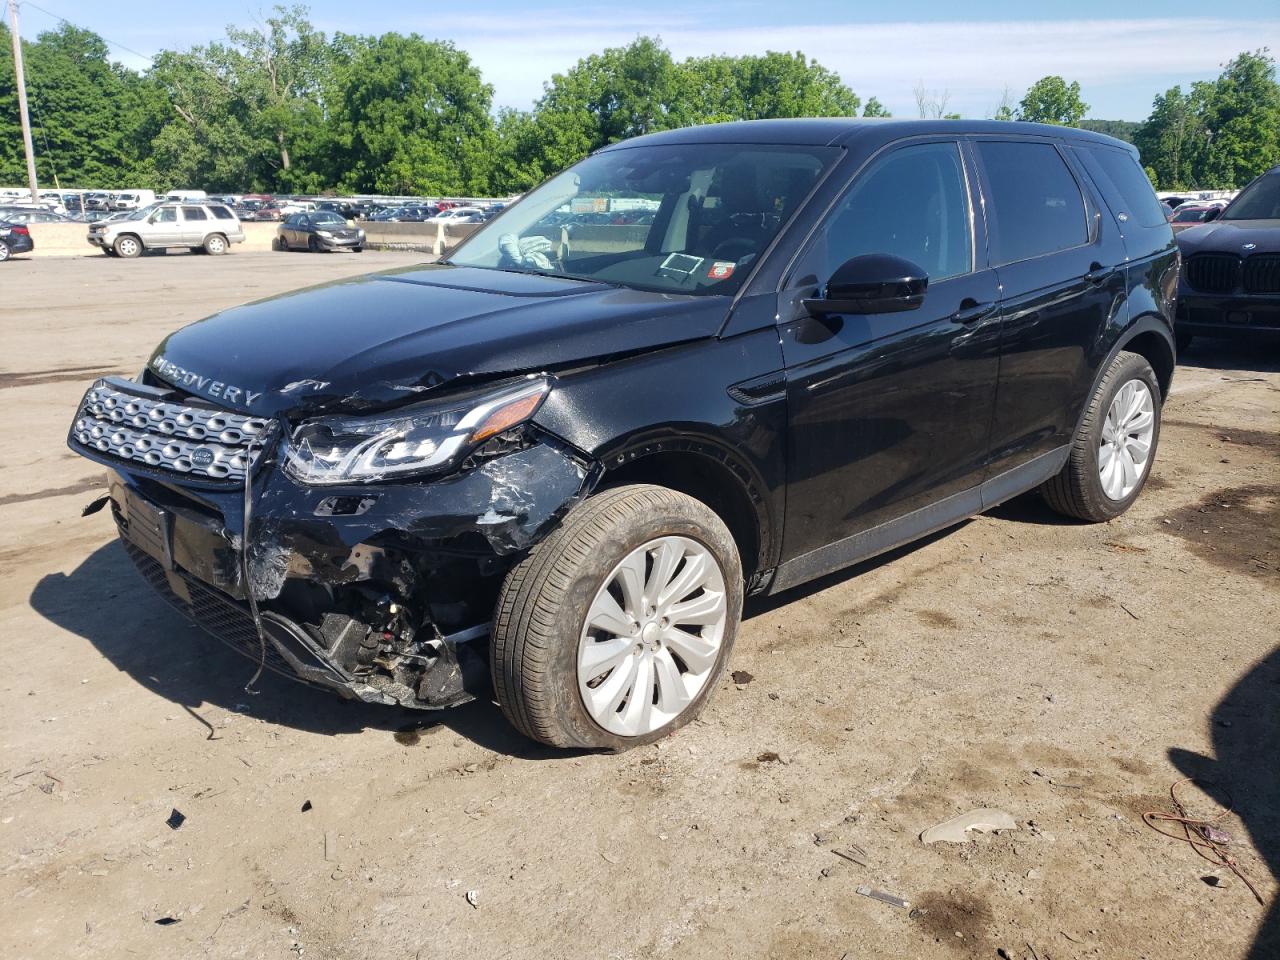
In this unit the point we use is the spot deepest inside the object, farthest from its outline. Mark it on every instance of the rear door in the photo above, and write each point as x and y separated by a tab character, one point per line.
889	413
1061	278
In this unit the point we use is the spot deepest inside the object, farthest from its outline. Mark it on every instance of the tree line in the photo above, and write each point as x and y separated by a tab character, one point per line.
283	108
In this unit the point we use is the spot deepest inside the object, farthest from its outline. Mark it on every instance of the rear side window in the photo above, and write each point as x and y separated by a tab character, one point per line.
1121	168
194	213
1035	201
222	213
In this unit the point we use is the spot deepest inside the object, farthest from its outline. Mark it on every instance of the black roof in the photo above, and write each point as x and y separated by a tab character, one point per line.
842	131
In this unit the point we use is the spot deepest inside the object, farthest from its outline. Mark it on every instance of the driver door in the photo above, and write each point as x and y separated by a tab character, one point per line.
890	413
164	228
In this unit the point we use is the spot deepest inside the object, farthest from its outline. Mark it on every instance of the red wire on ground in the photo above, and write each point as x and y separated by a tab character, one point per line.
1196	833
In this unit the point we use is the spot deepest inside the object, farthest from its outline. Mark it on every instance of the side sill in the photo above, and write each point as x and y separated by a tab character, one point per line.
919	523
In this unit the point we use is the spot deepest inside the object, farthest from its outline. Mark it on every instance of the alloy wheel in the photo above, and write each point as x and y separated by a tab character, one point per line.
652	636
1125	450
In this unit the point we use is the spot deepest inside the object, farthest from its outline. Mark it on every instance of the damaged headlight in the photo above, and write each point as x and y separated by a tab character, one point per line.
426	437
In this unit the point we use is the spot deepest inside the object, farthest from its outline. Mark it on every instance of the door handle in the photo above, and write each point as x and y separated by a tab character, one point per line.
971	311
1098	274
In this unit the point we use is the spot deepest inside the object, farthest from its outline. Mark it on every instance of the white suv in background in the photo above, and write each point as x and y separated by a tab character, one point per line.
200	227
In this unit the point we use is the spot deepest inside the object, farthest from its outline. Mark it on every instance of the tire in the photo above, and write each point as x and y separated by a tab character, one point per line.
540	620
313	244
1078	491
110	252
215	245
128	246
1182	340
4	251
357	249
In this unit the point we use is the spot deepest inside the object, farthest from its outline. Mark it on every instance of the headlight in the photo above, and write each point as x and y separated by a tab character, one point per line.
323	233
417	439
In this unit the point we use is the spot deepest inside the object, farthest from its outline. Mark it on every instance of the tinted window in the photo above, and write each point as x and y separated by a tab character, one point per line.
1035	203
1121	168
1190	215
193	213
1258	201
912	204
167	215
222	213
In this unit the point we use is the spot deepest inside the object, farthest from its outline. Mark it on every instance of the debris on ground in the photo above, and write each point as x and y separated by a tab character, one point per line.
769	756
955	830
473	898
742	678
167	921
883	897
306	805
176	819
853	853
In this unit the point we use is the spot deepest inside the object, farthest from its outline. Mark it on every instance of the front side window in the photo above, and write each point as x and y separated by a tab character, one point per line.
194	213
1258	201
676	218
1035	202
912	203
167	215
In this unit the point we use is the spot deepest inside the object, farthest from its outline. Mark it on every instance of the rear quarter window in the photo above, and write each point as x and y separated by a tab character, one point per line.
1121	168
222	213
1035	201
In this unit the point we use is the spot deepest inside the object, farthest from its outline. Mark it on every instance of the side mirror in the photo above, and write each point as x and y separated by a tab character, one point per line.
1212	214
874	283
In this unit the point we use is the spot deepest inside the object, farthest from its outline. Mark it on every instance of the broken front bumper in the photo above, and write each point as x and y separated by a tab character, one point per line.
375	591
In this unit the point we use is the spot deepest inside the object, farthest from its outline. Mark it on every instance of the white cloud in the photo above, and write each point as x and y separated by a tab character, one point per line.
1125	62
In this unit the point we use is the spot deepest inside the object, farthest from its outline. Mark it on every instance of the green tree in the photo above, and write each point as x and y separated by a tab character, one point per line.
875	108
409	116
764	87
1052	100
85	111
1241	117
1172	140
278	75
1120	129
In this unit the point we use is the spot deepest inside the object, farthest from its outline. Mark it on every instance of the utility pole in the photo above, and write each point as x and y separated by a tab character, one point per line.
22	100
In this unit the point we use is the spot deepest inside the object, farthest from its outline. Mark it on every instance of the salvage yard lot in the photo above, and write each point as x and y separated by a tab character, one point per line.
1064	673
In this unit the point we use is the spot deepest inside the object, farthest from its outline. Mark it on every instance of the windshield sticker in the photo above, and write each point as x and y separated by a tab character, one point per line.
680	266
721	270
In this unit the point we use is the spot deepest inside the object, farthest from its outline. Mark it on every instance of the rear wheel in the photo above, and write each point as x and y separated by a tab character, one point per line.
215	245
128	247
613	631
4	251
1114	446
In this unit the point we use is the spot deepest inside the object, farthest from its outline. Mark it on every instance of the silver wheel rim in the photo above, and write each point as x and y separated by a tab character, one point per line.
4	251
1125	451
128	247
215	245
652	636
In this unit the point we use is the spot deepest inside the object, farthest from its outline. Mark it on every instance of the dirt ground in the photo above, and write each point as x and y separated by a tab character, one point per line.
1067	674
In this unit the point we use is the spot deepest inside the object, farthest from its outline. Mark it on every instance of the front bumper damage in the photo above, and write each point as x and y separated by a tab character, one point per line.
376	591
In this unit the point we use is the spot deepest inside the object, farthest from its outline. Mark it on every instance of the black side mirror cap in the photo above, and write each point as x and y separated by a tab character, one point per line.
1213	213
872	283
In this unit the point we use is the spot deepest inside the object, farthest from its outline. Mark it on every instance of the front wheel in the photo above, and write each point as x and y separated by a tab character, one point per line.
613	631
1114	446
4	251
128	247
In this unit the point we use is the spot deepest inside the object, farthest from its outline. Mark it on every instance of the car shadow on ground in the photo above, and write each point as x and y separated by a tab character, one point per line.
1222	354
108	603
1244	771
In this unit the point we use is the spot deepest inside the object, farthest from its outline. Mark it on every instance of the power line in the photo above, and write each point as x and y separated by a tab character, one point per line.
62	19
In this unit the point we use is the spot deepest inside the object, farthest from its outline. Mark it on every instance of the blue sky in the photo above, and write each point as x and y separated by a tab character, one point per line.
1121	54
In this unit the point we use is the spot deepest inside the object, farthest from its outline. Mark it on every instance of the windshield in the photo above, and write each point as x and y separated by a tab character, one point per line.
679	218
1258	201
325	216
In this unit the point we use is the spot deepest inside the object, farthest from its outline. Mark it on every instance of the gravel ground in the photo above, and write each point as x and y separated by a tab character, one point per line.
1067	674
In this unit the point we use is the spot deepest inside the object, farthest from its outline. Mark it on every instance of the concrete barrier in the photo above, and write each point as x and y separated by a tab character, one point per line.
434	238
70	239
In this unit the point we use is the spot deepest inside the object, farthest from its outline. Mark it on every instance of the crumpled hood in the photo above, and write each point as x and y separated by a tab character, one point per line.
393	337
1231	236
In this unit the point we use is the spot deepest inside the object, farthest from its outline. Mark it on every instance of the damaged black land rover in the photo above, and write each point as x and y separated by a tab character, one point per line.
558	461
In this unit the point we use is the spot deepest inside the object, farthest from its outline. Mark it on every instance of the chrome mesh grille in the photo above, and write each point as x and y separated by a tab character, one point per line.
196	441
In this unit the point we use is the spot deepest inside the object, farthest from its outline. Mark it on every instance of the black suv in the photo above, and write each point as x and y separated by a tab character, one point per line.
1231	268
558	460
